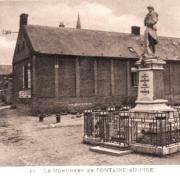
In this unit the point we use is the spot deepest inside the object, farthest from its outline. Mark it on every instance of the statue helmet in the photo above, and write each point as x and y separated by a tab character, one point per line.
150	7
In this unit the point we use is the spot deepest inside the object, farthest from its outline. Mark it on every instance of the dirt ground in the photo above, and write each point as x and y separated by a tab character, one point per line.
26	142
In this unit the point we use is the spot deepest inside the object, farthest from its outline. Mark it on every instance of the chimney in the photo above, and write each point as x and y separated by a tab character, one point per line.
23	19
61	25
135	30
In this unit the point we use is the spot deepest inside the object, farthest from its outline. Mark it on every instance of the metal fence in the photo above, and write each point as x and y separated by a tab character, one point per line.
108	126
157	129
125	128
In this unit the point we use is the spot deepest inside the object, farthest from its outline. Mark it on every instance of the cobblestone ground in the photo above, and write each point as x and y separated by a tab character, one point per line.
26	142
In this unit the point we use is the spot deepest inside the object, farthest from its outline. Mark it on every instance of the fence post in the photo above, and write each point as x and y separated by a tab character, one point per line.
88	123
41	117
161	135
124	126
170	124
104	126
110	112
58	118
133	128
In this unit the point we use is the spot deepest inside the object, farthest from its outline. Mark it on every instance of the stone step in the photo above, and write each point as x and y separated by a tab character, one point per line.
114	152
4	107
114	145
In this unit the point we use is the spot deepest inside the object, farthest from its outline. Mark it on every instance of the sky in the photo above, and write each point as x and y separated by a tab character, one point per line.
107	15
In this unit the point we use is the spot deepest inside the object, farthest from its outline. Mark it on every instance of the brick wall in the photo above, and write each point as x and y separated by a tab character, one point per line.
18	84
103	77
45	82
171	81
158	85
73	103
67	77
166	73
176	78
86	77
120	78
45	76
18	80
133	90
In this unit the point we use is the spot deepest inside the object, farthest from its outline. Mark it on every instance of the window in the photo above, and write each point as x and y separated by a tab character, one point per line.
26	76
29	75
134	77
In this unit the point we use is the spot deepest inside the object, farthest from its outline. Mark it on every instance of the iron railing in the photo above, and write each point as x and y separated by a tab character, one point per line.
157	129
108	126
126	128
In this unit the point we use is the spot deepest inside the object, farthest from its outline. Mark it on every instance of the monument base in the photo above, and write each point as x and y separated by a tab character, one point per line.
156	150
152	106
91	140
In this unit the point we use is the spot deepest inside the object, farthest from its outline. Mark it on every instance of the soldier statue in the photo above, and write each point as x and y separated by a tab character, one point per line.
151	38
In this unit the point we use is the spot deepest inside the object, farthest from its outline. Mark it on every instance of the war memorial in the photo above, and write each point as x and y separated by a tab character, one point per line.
152	126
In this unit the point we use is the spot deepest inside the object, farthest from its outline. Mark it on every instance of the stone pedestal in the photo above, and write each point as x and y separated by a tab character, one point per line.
151	86
156	150
151	100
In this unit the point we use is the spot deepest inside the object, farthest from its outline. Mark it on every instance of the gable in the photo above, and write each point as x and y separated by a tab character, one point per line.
22	50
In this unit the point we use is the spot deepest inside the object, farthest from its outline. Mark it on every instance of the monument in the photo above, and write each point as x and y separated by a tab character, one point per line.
150	68
152	117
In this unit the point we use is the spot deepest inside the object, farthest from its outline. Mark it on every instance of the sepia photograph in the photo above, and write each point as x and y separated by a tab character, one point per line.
89	83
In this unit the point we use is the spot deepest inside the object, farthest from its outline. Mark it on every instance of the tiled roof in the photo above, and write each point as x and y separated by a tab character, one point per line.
83	42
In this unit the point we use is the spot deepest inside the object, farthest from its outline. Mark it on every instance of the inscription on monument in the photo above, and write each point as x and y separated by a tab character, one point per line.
144	88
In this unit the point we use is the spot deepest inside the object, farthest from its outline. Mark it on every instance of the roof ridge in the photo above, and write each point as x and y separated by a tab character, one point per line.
94	30
83	29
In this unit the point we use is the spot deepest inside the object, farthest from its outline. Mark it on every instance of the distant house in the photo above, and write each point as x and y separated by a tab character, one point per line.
6	83
59	67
